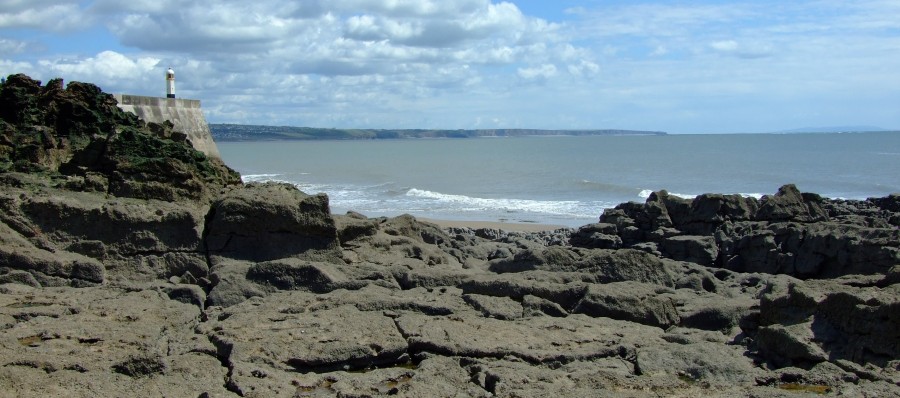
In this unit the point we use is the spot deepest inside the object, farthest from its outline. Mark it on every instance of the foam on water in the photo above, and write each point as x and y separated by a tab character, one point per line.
565	181
646	194
464	203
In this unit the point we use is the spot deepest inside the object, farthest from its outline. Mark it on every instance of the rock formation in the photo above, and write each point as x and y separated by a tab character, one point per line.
132	265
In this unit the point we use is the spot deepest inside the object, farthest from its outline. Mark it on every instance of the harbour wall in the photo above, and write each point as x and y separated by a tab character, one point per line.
185	114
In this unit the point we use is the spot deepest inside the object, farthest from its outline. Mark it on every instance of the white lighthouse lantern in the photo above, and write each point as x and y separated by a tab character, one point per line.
170	83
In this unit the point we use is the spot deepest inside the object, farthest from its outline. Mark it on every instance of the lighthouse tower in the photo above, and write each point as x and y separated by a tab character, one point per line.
170	83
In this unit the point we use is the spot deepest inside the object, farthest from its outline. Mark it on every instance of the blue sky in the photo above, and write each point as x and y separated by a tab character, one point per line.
675	66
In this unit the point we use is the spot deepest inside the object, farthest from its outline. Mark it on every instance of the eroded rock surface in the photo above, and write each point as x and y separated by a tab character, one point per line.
122	274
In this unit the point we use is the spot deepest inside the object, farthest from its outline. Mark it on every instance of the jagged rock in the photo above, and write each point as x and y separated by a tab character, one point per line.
536	306
576	337
715	312
79	131
791	205
230	285
46	266
714	363
598	265
494	307
78	342
264	341
187	285
597	236
566	295
374	298
404	242
812	250
262	222
17	276
810	322
432	277
434	376
696	249
188	294
296	274
550	259
353	227
630	301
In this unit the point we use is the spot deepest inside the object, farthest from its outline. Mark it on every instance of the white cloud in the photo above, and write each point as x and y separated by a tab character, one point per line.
108	64
112	71
541	72
449	64
10	46
732	47
724	45
44	15
584	69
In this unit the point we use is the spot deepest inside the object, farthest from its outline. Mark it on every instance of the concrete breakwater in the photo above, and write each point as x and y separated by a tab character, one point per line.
185	114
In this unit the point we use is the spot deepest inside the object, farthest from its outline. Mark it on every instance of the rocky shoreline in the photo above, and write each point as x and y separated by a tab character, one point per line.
131	264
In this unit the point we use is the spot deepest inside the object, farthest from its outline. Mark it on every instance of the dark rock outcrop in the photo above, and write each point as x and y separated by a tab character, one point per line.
792	233
80	133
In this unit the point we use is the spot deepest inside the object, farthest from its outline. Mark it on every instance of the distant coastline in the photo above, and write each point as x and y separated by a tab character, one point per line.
240	132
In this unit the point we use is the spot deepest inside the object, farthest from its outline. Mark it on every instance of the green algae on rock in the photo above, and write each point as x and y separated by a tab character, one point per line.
79	133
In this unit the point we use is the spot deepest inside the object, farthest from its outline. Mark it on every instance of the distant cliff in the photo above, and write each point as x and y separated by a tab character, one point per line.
238	132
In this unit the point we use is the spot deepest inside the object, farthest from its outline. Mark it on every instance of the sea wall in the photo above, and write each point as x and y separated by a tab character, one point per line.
185	114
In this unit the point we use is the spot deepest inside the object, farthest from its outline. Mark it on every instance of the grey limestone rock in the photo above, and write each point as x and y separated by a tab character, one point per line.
262	222
536	306
495	307
81	342
597	236
267	336
791	205
573	338
816	321
696	249
596	265
714	363
630	301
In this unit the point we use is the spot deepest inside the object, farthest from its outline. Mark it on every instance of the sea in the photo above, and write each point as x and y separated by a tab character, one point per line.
566	180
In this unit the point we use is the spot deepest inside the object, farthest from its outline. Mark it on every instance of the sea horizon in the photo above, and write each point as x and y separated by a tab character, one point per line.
566	180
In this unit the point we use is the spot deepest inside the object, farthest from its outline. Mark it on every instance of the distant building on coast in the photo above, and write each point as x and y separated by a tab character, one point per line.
185	114
170	83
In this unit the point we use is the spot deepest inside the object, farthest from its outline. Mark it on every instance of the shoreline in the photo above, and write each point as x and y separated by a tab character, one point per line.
504	226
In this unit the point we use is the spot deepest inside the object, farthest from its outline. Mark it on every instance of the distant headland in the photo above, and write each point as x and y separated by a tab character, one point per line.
240	132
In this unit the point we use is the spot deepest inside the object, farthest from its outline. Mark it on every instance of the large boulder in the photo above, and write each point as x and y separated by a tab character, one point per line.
696	249
791	205
262	222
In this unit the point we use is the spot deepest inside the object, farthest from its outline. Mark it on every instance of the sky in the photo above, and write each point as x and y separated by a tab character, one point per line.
686	66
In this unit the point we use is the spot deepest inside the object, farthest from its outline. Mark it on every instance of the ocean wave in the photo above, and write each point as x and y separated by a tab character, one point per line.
248	178
465	203
646	194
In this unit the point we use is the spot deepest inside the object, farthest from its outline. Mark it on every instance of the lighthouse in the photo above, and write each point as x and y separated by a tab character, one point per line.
170	83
